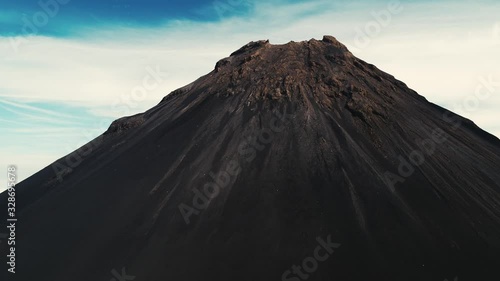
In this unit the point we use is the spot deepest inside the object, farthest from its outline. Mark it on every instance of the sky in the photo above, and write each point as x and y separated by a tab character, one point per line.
68	68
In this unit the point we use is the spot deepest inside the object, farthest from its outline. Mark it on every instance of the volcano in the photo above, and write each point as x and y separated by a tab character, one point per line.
286	162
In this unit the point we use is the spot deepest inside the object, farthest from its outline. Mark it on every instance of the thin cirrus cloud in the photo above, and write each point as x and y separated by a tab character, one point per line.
64	85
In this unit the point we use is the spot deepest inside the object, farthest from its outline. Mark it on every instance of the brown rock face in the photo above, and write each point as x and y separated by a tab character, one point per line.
287	162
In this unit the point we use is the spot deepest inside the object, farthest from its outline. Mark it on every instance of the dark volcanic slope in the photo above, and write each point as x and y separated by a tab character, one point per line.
329	166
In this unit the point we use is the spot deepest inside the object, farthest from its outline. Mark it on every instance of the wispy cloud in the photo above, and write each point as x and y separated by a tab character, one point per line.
38	118
36	109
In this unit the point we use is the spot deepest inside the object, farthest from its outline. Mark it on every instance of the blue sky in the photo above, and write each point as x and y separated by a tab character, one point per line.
77	15
66	73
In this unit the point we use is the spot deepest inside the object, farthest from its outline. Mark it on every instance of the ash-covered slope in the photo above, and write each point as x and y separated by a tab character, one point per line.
294	144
